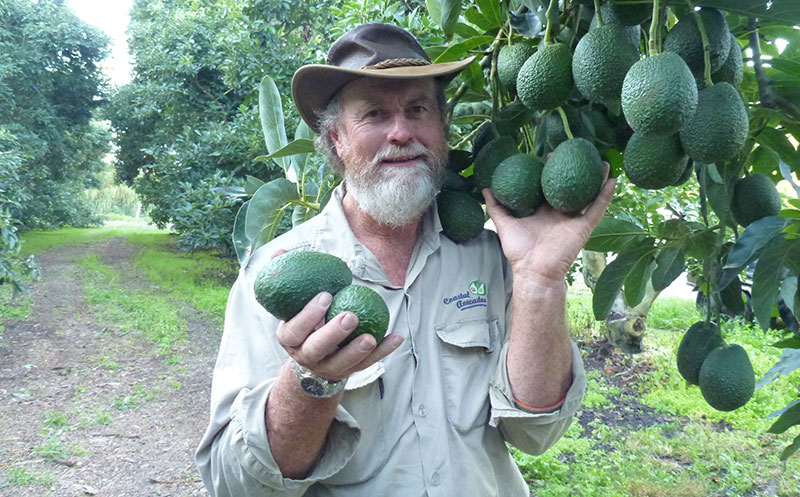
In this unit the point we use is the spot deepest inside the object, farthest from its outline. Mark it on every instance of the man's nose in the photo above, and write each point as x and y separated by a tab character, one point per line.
400	130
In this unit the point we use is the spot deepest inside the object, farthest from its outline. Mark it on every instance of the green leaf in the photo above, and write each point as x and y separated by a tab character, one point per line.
303	131
789	418
445	13
636	281
763	160
779	143
267	209
784	11
460	50
271	113
790	449
718	195
789	361
465	30
299	146
300	214
670	263
611	279
752	241
614	235
527	24
493	11
476	17
241	244
767	281
252	184
784	65
791	343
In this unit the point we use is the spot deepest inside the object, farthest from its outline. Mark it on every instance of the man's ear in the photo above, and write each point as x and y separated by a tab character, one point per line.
336	138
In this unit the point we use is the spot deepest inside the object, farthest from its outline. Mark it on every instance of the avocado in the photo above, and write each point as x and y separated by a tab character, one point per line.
492	154
732	71
633	33
754	197
545	80
654	163
686	175
289	281
718	129
631	14
517	184
458	160
659	95
454	181
572	176
368	305
731	298
460	215
554	126
684	39
727	380
700	339
486	133
510	60
601	61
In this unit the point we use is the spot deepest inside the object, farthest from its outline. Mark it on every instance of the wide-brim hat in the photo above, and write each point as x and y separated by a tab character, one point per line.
372	50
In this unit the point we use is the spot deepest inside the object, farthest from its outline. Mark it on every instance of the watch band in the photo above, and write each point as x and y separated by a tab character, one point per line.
313	385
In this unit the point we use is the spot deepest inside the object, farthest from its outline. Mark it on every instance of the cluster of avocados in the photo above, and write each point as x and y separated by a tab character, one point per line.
664	108
289	281
722	371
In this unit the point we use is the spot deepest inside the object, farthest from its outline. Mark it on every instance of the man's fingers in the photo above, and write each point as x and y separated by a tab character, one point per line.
325	341
390	343
277	252
493	207
597	209
293	333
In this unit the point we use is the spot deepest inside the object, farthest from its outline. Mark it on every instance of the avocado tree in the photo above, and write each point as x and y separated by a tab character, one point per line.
695	111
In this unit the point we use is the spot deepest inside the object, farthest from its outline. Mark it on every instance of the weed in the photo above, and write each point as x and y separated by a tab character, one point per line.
673	313
55	419
52	448
21	477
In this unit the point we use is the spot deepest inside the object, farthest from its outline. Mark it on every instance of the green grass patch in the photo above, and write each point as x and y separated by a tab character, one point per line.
153	315
36	241
673	313
18	476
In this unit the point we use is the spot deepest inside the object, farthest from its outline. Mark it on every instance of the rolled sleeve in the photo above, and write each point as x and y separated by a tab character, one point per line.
533	432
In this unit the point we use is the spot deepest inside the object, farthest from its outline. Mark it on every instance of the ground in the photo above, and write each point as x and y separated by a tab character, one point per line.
67	416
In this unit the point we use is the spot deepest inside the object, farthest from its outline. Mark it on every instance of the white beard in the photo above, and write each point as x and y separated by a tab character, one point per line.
396	196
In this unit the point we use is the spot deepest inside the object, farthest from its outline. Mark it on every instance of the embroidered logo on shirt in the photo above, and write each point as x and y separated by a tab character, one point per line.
475	296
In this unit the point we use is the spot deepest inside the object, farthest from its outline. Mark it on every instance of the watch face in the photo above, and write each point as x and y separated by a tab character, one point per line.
312	386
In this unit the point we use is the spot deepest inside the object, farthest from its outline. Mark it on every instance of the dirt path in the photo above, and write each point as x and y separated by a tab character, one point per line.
88	410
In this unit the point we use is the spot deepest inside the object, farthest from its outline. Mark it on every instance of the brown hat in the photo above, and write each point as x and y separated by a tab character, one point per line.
374	50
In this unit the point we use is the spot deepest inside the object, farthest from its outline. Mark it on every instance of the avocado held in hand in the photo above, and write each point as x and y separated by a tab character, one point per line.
289	281
364	302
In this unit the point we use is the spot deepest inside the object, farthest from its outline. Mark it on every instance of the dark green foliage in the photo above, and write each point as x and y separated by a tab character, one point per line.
545	80
289	281
554	125
698	341
732	71
654	163
726	379
572	176
659	95
684	39
517	184
600	62
367	304
510	60
461	215
754	197
489	157
718	129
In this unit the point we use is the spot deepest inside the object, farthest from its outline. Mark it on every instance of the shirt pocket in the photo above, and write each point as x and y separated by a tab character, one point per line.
469	358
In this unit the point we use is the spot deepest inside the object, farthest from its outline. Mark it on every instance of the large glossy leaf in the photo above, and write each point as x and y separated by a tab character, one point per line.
749	246
614	235
787	66
299	146
790	449
476	17
787	11
670	263
611	279
779	143
445	13
717	192
271	113
636	281
790	417
267	208
460	50
789	361
492	10
252	184
767	280
527	24
241	244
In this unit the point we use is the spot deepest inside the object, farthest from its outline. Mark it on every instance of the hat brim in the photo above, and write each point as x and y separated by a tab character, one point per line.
314	85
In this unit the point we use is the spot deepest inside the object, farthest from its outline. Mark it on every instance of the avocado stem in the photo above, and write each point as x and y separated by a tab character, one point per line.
566	124
652	46
549	30
706	50
597	13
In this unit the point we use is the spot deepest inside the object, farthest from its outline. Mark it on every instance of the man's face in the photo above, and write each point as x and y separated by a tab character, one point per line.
391	140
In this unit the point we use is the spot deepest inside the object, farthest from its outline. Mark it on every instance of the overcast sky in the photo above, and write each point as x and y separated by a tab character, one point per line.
112	18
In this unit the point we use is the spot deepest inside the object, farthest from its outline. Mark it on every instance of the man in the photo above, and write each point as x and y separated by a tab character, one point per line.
478	352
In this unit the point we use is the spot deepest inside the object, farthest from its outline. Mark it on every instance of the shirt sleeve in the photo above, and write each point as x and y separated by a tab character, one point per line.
234	457
531	432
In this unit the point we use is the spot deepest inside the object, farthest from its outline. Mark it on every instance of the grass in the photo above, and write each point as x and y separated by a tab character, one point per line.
18	476
36	241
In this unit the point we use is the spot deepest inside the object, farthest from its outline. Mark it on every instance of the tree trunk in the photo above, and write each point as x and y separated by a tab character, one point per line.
625	325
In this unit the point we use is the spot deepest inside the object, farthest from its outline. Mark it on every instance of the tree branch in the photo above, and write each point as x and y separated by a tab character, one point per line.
768	99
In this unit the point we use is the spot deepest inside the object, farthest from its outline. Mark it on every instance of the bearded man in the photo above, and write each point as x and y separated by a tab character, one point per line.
478	352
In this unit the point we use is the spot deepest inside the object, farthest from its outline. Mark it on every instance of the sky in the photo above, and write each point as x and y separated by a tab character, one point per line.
111	17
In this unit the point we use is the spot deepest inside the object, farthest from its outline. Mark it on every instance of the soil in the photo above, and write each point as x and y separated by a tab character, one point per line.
87	428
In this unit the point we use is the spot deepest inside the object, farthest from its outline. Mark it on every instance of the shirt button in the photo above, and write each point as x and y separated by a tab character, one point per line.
435	479
422	412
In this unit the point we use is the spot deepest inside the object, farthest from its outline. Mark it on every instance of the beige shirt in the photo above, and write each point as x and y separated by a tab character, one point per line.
432	418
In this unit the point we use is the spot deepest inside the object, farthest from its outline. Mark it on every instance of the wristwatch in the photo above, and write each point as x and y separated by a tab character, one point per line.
315	386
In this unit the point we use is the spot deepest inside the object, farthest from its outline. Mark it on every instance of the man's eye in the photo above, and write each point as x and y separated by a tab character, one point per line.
373	113
418	109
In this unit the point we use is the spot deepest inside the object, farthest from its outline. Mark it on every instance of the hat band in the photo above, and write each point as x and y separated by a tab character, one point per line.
388	63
